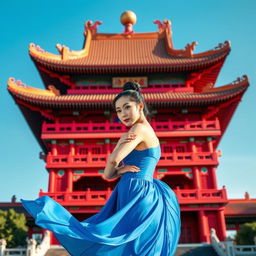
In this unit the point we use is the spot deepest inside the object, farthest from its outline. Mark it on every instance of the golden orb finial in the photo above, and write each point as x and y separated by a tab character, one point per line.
128	17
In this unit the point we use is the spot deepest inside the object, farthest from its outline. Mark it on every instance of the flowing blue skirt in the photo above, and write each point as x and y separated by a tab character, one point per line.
141	217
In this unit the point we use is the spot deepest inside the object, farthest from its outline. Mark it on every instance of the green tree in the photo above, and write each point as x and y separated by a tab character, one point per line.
13	228
245	236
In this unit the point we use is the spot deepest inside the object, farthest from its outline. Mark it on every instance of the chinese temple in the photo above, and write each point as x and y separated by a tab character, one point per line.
77	129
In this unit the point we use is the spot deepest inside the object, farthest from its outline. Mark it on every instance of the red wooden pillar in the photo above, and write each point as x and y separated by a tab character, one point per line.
214	178
203	227
222	222
192	145
210	144
196	178
69	181
51	187
107	146
54	148
72	147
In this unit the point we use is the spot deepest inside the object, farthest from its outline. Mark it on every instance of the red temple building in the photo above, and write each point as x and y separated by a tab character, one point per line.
77	129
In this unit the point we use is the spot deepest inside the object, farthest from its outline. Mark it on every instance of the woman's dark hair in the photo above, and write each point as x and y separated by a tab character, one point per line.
133	91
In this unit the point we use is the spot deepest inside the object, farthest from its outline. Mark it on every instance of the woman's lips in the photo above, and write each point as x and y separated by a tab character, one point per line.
126	120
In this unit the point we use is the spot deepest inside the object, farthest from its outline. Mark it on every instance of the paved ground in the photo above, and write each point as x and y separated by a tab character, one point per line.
205	250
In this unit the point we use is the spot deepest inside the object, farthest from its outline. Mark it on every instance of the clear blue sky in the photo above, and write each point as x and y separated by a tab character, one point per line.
49	22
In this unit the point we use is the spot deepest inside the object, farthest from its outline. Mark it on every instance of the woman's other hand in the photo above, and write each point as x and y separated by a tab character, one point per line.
127	168
127	137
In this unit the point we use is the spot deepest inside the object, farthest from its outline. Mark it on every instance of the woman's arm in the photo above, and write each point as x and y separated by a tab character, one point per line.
113	170
122	151
127	137
110	168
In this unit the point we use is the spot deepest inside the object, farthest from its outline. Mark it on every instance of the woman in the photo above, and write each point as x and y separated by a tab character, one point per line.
142	215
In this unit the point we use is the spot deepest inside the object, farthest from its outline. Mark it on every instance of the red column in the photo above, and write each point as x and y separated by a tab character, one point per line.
222	222
54	148
192	145
70	181
52	176
214	178
71	148
203	227
210	144
107	145
196	178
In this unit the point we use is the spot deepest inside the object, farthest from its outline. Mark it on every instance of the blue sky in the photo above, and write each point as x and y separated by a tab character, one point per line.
47	23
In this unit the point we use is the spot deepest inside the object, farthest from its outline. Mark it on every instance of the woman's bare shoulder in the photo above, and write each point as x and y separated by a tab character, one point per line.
139	128
147	132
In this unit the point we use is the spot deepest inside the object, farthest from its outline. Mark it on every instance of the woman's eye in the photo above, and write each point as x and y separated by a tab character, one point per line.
128	107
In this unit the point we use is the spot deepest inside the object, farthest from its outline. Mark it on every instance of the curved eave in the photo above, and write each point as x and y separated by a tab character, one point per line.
176	64
182	99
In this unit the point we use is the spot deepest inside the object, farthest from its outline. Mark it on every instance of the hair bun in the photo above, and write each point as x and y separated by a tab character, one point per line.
132	86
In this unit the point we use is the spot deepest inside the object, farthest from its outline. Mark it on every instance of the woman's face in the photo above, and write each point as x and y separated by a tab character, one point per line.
128	112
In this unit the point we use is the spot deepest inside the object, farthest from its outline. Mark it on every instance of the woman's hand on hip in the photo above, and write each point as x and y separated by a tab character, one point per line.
128	168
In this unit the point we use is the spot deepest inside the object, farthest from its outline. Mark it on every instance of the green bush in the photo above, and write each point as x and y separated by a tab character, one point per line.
13	228
245	236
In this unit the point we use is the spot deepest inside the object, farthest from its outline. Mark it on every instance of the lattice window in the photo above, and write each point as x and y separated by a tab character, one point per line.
168	149
96	150
63	150
180	149
82	151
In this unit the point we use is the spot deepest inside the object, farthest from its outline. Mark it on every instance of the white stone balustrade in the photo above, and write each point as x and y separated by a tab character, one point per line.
227	248
32	248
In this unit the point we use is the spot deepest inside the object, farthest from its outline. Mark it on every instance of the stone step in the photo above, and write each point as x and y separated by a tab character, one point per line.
57	252
200	250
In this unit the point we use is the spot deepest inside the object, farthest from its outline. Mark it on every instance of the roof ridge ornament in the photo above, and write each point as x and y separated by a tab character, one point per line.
53	89
163	26
128	19
19	86
222	45
165	30
89	25
189	48
239	82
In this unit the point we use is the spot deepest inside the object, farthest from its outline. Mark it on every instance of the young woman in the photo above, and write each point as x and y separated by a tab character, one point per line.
142	215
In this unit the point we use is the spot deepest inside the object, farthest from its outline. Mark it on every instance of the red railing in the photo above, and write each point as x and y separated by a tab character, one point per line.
76	160
96	127
89	197
190	158
100	159
186	196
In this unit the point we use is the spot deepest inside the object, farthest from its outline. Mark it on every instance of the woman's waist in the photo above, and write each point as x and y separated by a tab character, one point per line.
137	175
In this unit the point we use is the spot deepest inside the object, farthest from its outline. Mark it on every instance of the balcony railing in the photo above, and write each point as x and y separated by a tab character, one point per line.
92	198
99	160
186	196
96	127
84	198
189	158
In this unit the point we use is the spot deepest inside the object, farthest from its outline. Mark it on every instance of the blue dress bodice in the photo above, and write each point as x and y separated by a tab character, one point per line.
146	160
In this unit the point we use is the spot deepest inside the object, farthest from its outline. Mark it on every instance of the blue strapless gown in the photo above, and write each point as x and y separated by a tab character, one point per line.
141	217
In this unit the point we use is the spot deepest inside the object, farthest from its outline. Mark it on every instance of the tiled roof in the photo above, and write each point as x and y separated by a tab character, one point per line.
137	54
49	99
106	53
240	207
